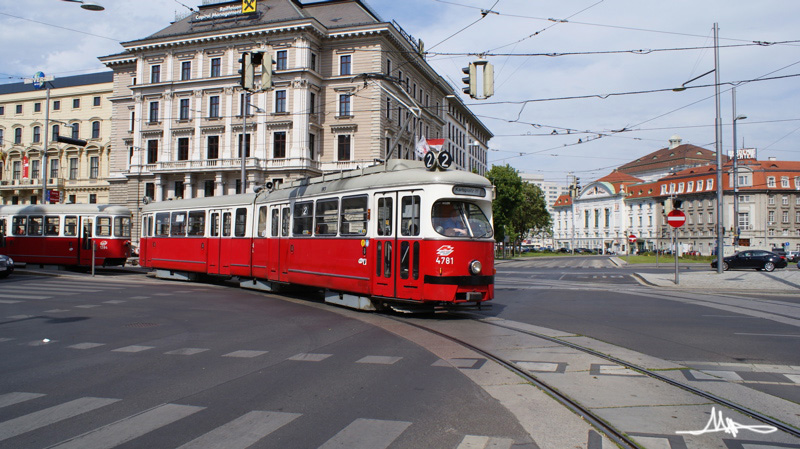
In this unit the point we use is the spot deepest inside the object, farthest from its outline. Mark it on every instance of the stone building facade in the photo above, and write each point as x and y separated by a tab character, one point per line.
349	90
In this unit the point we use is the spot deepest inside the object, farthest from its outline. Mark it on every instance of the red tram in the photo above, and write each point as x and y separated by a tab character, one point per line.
63	234
392	236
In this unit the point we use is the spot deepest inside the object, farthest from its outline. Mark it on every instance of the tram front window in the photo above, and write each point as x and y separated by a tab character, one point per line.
460	219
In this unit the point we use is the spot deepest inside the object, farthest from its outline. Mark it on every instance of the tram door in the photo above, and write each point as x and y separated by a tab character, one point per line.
279	242
85	241
219	240
384	245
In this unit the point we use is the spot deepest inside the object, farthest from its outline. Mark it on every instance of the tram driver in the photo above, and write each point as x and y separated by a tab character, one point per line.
447	220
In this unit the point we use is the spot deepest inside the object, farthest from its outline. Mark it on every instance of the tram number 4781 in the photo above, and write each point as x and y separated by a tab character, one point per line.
445	260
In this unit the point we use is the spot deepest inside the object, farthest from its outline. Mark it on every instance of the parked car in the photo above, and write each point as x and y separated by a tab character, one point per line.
6	266
793	256
755	259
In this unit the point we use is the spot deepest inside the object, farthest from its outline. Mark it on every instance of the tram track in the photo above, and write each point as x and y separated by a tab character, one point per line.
602	425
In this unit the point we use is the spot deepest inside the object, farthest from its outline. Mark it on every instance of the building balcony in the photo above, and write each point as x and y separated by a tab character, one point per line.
30	184
252	163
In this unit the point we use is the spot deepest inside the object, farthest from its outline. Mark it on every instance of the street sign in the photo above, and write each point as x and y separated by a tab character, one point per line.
676	218
54	196
632	238
38	80
444	159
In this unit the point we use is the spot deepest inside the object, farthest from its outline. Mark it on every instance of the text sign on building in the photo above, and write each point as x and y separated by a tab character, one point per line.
676	218
248	6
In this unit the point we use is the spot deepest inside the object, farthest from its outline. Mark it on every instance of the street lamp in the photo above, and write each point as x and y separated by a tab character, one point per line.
736	118
718	143
91	6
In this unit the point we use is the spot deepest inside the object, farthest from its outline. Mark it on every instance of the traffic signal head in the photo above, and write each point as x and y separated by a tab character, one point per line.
488	80
247	72
471	80
266	71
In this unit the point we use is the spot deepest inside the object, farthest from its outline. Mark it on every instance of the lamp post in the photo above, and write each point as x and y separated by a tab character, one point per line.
736	118
718	143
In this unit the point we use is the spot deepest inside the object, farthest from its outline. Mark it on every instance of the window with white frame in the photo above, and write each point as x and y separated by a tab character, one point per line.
155	73
710	184
771	217
699	185
690	187
216	67
680	187
785	217
280	101
345	105
213	106
785	200
343	147
797	216
771	200
663	189
346	65
281	60
785	182
744	220
153	112
771	181
186	70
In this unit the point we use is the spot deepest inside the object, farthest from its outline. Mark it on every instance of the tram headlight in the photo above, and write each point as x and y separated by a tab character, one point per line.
475	267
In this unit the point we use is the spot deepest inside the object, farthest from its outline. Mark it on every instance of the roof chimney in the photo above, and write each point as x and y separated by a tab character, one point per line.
675	141
772	158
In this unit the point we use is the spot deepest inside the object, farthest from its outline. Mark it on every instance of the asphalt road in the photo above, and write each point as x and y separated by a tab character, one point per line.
129	361
589	296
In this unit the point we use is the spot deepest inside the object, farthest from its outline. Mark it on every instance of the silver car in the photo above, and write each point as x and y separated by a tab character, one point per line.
6	266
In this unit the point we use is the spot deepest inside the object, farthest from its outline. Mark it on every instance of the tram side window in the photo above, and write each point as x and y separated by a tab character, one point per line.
226	224
197	222
177	227
162	224
35	225
409	224
215	224
286	215
122	227
70	226
103	227
276	214
385	216
262	221
52	224
2	226
303	218
147	226
19	225
240	227
354	215
327	217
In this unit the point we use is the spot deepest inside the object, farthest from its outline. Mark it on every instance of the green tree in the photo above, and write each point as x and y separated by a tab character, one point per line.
518	206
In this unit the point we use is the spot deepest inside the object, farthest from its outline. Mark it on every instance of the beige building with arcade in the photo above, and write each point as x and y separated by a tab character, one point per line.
79	108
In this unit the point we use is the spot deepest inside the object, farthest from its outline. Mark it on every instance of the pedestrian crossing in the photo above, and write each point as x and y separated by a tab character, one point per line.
557	262
250	428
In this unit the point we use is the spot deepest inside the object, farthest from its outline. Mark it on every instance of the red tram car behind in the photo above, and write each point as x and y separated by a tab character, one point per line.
392	236
63	234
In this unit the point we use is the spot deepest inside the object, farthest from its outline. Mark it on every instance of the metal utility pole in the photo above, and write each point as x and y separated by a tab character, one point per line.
39	81
718	129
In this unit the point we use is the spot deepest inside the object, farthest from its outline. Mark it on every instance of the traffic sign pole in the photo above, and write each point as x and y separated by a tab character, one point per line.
675	237
676	218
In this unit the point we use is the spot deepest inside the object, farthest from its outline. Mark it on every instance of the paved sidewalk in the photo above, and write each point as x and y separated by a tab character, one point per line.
785	280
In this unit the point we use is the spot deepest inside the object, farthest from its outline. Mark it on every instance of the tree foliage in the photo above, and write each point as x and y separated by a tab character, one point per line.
519	206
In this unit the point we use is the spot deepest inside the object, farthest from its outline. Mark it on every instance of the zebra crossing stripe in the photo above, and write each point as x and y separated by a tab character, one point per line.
483	442
367	434
48	416
17	296
242	432
129	428
17	397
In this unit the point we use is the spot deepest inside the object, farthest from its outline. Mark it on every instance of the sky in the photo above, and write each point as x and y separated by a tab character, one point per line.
612	54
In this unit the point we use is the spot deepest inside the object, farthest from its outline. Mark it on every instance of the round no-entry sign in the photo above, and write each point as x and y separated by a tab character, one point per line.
632	238
676	218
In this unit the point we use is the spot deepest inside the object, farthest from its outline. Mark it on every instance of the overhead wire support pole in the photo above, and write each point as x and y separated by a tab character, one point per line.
718	130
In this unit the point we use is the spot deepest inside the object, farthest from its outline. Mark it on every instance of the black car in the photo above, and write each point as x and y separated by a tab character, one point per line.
756	259
6	266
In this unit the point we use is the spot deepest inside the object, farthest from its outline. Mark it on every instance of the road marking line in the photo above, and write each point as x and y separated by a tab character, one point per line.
133	348
769	335
367	434
129	428
242	432
24	296
186	351
246	354
86	345
8	301
17	397
52	415
379	360
306	357
483	442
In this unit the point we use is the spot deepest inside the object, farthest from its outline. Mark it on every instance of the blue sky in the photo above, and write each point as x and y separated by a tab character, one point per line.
672	39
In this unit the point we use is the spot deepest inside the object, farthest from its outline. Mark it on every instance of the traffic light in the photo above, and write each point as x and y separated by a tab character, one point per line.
488	80
265	61
471	80
247	72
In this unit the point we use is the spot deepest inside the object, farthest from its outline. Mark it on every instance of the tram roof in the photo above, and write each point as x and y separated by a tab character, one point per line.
40	209
210	201
395	173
